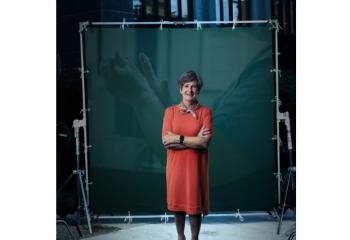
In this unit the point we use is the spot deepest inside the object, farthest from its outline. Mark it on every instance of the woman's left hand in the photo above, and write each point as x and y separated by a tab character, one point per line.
170	138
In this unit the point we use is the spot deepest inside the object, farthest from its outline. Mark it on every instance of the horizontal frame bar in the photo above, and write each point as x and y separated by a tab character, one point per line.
253	214
182	22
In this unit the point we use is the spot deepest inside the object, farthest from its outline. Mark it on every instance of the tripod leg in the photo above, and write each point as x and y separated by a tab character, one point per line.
78	200
290	158
65	183
85	203
65	223
76	225
284	202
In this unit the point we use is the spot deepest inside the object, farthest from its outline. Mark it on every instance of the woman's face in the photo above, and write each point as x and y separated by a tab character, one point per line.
189	91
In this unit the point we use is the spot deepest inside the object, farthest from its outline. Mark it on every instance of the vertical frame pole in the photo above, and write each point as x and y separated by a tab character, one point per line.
82	27
277	112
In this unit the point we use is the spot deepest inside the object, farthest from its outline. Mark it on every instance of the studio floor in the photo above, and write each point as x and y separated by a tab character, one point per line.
222	231
229	228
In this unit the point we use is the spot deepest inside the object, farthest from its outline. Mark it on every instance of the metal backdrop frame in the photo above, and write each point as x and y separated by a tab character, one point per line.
279	116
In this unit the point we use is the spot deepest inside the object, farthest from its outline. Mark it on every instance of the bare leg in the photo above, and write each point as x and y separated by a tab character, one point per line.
180	225
195	221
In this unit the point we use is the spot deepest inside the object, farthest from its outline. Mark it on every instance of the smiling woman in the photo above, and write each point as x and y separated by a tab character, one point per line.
186	134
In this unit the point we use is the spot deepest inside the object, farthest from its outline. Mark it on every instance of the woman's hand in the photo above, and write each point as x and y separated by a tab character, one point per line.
170	138
205	132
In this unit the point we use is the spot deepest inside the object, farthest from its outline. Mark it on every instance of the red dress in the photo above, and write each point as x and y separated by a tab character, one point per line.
187	175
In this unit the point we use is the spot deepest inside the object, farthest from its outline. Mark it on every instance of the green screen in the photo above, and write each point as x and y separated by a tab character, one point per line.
133	77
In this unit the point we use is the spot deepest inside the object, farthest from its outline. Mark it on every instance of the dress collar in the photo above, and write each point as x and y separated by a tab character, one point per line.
184	109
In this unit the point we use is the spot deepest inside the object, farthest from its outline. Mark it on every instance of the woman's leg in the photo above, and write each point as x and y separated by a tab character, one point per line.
195	221
180	225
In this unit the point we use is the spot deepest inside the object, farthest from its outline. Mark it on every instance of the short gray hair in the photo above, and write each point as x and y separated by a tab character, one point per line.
190	76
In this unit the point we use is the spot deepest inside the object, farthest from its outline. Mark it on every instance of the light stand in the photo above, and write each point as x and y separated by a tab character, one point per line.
291	169
77	124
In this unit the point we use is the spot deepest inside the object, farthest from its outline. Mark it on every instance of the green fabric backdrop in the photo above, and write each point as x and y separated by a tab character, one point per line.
132	78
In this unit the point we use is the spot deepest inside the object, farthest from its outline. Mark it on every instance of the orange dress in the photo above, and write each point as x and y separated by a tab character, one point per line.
187	175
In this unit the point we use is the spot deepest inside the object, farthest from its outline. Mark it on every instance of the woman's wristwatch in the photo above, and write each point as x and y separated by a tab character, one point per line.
182	139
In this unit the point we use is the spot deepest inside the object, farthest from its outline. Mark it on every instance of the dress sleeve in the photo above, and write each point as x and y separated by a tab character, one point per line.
167	120
208	121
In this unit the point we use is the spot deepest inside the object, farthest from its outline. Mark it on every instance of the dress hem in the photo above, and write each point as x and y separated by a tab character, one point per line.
190	211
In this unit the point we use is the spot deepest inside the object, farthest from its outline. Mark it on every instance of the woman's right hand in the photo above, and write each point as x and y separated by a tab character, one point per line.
205	132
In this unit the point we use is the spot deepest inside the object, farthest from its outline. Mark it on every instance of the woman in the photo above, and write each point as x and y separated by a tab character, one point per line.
187	130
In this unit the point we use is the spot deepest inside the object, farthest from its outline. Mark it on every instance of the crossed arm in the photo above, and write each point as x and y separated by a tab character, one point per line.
201	141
